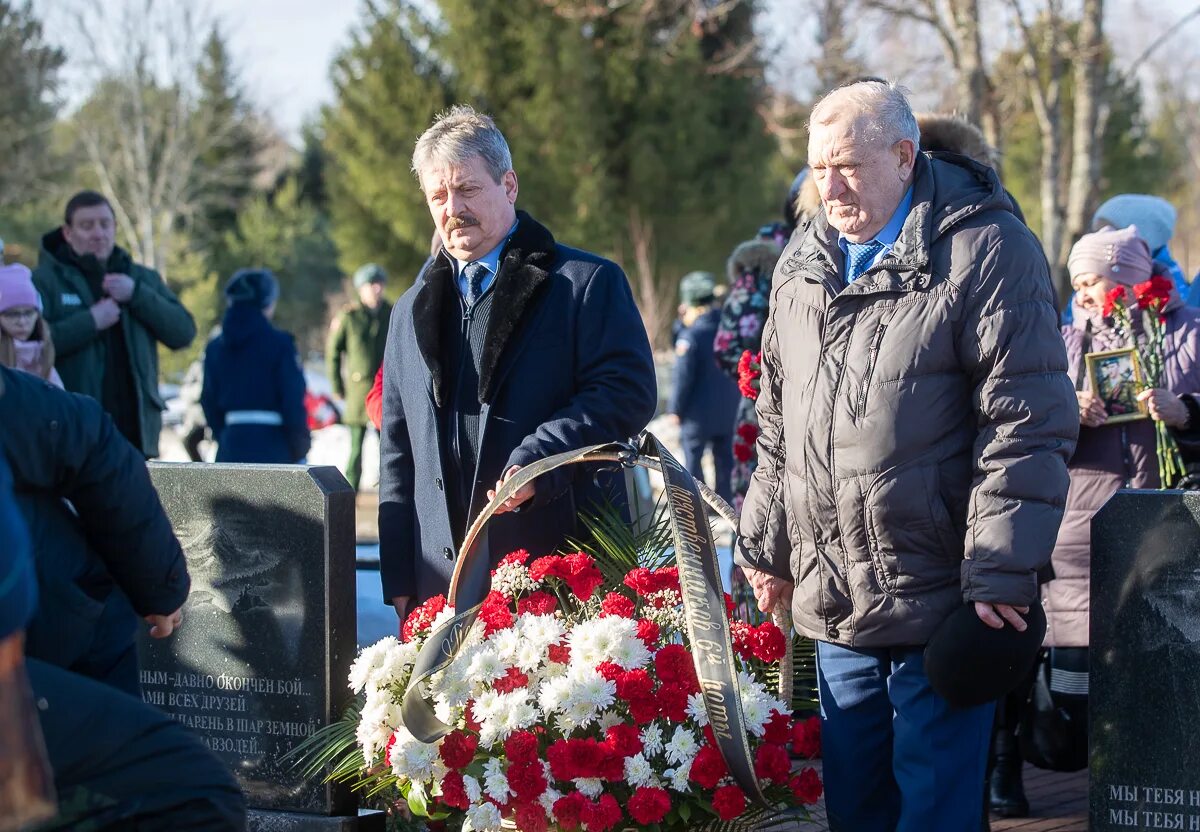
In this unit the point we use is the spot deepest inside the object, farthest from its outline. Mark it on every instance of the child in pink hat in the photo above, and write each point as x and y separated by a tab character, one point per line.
24	335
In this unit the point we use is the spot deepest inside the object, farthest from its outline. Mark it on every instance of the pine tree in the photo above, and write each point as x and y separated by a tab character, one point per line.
388	88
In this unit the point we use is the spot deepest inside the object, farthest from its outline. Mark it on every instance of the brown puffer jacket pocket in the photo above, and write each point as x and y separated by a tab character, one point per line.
913	543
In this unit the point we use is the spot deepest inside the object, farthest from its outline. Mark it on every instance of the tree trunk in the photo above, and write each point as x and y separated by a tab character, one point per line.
971	81
1086	144
656	314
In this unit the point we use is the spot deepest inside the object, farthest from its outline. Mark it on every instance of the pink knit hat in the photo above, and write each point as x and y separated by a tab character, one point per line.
1118	254
16	288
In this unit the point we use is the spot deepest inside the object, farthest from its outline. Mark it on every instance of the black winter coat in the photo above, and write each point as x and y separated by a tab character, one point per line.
101	540
566	364
702	396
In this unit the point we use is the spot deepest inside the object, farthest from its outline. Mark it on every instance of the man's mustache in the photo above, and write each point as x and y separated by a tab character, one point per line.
465	221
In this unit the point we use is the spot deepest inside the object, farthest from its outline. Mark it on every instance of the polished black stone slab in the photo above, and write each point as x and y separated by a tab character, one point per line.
263	821
268	631
1144	699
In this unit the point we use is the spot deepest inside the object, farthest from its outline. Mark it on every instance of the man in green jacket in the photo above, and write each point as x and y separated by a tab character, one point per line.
107	316
353	356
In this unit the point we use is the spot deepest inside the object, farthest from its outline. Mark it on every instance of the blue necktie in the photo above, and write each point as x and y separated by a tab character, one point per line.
859	258
475	274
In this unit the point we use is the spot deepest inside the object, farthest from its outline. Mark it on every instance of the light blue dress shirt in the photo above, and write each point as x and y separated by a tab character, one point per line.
887	235
490	261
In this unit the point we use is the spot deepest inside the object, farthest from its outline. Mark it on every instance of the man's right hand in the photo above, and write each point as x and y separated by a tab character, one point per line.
768	590
105	313
400	602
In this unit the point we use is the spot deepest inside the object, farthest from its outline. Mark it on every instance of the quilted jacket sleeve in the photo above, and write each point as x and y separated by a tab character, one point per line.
1026	417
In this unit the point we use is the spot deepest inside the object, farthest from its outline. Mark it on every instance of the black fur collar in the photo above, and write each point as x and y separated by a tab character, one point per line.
525	264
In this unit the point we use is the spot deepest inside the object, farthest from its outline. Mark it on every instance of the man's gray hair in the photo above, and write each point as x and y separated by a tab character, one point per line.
458	134
882	104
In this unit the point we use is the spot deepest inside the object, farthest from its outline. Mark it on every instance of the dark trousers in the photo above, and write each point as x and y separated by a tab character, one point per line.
896	756
354	465
695	442
120	764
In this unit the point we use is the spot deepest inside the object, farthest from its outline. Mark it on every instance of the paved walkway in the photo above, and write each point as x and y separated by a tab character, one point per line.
1058	803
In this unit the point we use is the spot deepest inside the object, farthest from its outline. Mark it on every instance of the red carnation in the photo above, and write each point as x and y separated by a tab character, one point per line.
674	665
673	702
537	603
531	817
648	632
806	738
623	740
649	805
602	815
1114	296
749	370
527	780
709	736
769	643
778	729
771	762
612	765
634	684
1154	293
521	747
610	670
615	603
639	580
729	802
458	749
806	787
510	681
387	751
494	613
747	432
550	566
730	606
568	810
518	557
422	617
643	709
743	639
708	768
575	758
666	578
582	575
743	451
559	653
469	716
454	792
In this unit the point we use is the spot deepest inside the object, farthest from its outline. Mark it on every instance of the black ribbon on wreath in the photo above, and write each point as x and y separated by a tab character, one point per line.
699	579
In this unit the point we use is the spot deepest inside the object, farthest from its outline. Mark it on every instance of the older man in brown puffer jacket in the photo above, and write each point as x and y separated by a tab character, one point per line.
916	420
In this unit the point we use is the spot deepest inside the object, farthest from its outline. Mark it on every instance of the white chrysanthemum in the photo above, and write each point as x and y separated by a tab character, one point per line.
415	760
396	665
588	686
451	690
591	787
696	710
542	630
503	713
473	790
683	747
484	818
485	666
678	777
529	656
506	643
639	772
441	618
487	705
369	660
610	718
652	739
596	641
495	781
631	653
554	692
380	716
549	798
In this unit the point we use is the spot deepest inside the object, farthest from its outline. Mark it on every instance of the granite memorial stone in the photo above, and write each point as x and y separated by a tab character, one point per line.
1144	698
268	632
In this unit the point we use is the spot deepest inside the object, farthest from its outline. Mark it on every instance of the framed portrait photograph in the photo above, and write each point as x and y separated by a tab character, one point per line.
1116	377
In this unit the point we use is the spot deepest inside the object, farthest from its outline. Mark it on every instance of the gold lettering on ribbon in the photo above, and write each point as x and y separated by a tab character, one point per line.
718	712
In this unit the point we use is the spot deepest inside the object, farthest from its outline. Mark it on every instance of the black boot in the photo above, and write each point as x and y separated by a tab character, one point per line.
1006	793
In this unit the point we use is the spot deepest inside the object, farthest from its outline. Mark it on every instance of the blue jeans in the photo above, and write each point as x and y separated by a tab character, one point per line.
896	756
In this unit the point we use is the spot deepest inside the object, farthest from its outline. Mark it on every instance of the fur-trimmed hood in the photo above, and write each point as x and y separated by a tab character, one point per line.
525	264
954	134
758	256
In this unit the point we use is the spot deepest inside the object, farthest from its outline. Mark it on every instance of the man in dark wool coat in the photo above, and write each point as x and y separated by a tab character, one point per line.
509	347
